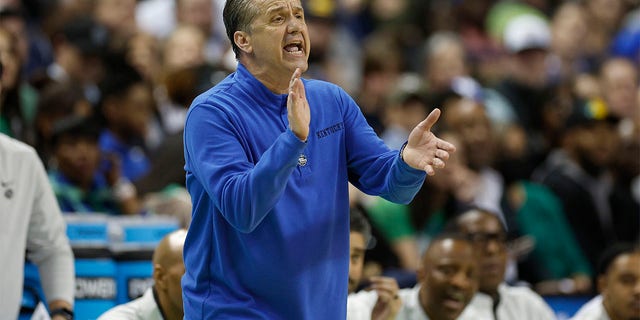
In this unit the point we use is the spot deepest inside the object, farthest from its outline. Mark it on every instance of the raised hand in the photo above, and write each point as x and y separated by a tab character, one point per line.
425	151
298	112
388	304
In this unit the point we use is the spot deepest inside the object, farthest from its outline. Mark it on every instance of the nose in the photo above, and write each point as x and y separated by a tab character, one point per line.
295	24
461	279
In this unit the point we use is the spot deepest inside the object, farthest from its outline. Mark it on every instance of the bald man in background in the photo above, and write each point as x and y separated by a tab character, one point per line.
164	299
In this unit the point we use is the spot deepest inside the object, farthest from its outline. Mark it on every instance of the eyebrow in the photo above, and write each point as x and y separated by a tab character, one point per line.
278	8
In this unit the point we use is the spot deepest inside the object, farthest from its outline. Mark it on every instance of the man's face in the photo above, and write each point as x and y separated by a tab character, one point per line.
78	158
469	120
357	248
595	147
448	279
620	288
135	111
486	232
279	38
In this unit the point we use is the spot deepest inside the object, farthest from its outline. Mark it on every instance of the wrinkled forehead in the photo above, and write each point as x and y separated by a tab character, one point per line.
268	6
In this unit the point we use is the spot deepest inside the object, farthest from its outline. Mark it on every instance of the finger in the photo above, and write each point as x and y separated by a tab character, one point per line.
429	170
294	76
444	145
431	119
442	154
438	163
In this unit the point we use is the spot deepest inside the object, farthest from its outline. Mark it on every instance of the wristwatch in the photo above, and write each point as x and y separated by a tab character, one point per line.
64	312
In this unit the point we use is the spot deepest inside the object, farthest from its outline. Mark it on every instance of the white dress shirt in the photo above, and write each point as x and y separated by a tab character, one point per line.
360	304
592	310
143	308
515	303
412	309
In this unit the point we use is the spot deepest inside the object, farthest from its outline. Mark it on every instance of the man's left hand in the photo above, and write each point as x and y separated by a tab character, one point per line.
425	151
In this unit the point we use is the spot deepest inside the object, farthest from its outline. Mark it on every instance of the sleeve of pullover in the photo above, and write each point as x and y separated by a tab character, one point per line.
47	243
243	192
373	167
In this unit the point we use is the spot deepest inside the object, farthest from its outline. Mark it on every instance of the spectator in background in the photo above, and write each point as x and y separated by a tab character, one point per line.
32	224
444	60
126	108
520	205
163	301
118	16
336	54
625	196
404	108
382	66
448	279
495	299
200	14
619	86
76	178
526	91
578	175
380	299
79	48
57	101
568	35
618	284
18	98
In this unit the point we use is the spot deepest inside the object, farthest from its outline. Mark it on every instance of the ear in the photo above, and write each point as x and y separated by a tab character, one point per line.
602	283
243	41
159	276
420	275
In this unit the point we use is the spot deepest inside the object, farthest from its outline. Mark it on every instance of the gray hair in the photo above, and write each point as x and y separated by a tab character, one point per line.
237	16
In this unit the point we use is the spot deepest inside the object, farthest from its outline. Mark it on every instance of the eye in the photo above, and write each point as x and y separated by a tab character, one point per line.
277	19
447	270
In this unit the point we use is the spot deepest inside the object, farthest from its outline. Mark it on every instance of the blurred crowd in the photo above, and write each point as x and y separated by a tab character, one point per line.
541	98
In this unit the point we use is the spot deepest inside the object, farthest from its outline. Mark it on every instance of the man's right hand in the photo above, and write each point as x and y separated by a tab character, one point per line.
388	304
298	112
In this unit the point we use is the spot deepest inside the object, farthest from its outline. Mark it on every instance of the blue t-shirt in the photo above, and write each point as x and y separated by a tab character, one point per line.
133	158
269	238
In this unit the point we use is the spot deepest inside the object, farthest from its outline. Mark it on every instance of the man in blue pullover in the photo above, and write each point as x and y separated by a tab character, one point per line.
268	158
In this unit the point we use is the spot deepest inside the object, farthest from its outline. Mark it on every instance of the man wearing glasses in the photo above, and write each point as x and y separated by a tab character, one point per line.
495	299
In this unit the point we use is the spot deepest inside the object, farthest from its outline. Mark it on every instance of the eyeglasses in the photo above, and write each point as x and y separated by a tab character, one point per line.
482	238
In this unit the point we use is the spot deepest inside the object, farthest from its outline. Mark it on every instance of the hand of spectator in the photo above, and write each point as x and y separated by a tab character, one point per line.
424	150
388	304
113	171
298	112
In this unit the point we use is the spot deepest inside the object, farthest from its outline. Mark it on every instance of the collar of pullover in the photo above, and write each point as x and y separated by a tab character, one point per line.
261	92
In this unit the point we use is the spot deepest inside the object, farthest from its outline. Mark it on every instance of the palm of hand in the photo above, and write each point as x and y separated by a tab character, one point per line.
424	150
298	112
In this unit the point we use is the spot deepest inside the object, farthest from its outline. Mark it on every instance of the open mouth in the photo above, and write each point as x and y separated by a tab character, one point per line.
454	300
294	48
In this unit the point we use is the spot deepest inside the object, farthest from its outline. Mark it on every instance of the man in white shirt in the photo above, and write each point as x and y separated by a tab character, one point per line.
380	301
619	286
163	301
495	299
447	281
32	224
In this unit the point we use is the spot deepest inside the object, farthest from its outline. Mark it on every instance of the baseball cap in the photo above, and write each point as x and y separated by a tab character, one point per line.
526	31
584	113
409	87
86	34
